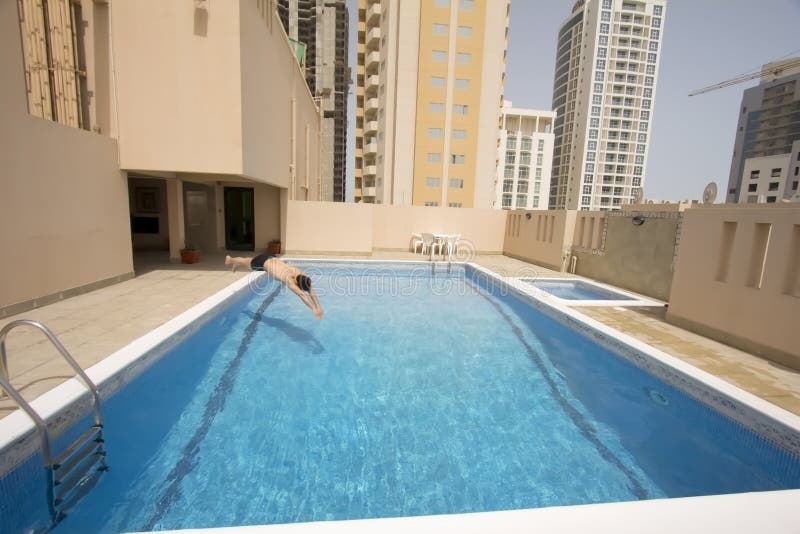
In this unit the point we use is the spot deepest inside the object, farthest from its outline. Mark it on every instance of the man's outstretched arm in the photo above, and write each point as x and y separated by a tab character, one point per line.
312	303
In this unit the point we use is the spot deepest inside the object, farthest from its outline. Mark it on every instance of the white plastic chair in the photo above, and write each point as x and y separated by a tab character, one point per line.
451	245
429	243
418	242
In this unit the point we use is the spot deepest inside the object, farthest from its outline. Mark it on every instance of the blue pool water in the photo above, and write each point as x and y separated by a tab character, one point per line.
576	290
417	394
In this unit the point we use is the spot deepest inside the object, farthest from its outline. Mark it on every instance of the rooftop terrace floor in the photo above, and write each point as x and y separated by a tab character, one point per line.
96	324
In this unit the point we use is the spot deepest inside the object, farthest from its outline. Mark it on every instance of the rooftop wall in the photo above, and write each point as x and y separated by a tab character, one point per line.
737	277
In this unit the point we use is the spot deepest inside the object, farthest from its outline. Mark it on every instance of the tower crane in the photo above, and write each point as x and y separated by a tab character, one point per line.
775	69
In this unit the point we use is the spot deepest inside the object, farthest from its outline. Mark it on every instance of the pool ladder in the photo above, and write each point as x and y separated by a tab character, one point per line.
75	471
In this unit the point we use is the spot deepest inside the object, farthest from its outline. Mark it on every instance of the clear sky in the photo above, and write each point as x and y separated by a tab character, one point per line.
705	42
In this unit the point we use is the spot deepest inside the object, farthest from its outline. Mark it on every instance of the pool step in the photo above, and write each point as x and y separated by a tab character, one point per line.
77	469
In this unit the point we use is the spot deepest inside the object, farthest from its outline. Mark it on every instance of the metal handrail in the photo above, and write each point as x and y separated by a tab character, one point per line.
5	382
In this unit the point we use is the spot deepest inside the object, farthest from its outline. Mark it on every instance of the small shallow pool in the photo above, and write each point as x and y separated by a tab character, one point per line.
577	290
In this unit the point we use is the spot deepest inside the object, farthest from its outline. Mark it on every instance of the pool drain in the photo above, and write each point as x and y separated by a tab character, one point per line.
657	397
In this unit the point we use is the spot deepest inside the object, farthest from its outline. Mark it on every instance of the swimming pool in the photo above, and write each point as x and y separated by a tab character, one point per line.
423	391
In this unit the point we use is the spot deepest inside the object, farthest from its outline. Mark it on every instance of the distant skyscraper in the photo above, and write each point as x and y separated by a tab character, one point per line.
766	153
322	26
429	89
524	159
607	62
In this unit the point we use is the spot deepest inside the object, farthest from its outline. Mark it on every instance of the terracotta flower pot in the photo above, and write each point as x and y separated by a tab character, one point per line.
190	256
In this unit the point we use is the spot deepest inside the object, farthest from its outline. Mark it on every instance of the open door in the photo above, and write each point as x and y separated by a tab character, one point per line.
239	219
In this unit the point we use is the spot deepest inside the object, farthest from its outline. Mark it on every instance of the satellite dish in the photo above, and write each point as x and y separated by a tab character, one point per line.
638	194
710	193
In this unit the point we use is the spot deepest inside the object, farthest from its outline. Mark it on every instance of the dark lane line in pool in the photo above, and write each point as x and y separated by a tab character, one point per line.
577	417
213	406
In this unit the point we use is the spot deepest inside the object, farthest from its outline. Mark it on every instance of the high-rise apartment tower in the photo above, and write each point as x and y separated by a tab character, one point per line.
524	158
766	153
607	61
322	26
429	90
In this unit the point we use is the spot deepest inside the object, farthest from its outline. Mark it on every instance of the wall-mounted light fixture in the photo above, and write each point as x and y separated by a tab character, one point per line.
638	220
528	216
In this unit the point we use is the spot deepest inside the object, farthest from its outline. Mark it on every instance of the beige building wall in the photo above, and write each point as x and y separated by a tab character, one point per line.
737	277
63	200
543	237
348	229
213	90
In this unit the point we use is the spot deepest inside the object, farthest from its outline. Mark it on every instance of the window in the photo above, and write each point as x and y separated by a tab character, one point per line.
506	201
56	85
651	69
599	76
456	183
439	56
522	187
592	145
794	185
440	29
657	10
653	46
432	181
752	188
754	175
603	40
605	16
526	143
509	172
467	5
511	143
606	4
648	81
458	159
642	138
437	81
436	107
651	57
771	200
524	172
597	99
434	157
541	146
460	109
459	134
773	186
463	57
592	134
637	171
656	22
602	52
508	186
775	173
591	155
524	158
586	200
434	133
646	104
643	126
595	111
640	149
604	29
465	31
511	157
462	83
590	167
655	34
588	178
431	203
598	88
522	200
594	123
647	93
587	189
454	204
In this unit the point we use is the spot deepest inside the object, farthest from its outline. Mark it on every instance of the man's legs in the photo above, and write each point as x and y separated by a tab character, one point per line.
238	262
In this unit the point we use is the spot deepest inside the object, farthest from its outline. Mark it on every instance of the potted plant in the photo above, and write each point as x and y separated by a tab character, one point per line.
190	254
274	246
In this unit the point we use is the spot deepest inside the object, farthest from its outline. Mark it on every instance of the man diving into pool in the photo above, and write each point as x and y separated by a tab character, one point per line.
292	277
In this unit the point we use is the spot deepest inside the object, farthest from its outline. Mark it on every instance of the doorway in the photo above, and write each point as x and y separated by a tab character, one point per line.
239	219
